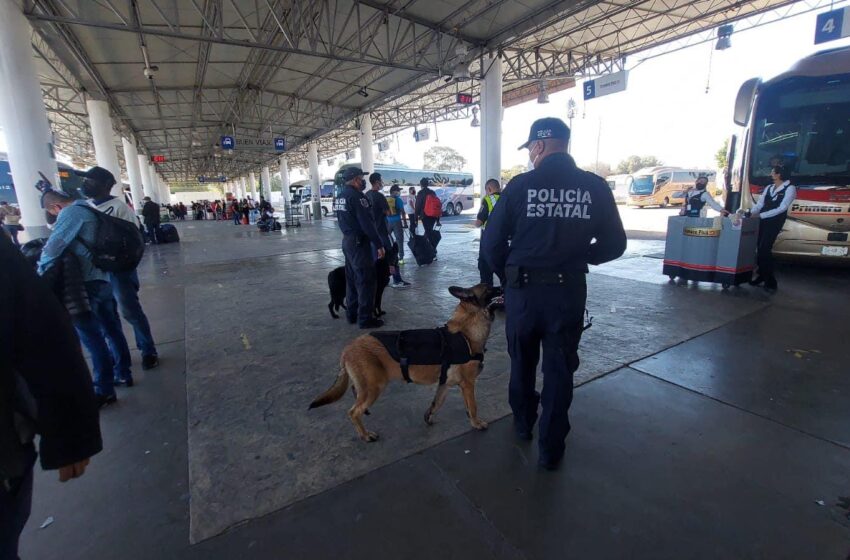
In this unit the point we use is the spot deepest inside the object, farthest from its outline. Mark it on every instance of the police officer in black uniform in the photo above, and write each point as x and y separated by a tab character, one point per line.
354	217
559	219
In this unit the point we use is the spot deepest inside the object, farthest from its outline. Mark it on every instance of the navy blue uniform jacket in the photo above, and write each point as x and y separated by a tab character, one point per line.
354	215
557	217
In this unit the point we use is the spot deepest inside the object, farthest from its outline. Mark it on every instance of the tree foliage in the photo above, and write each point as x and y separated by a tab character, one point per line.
508	174
443	158
720	155
633	163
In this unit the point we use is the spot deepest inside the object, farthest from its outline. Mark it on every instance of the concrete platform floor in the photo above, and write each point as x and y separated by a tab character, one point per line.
708	423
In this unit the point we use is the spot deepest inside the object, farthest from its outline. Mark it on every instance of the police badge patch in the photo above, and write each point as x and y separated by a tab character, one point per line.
364	202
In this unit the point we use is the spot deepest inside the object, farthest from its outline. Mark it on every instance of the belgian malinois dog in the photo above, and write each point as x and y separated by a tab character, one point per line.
368	366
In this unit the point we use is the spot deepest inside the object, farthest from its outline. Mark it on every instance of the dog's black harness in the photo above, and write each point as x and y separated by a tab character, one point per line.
427	347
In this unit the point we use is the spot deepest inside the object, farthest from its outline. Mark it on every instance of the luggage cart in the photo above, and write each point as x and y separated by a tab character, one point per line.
711	249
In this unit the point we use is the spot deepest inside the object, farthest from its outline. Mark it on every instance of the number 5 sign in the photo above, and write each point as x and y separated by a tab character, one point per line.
832	25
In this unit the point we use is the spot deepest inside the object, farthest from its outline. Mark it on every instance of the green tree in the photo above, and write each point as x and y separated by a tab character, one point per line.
720	155
443	158
508	174
633	163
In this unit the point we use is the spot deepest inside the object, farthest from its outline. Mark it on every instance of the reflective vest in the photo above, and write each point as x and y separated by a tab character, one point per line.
490	201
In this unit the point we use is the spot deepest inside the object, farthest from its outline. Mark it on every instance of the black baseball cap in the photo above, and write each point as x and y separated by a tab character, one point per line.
395	188
352	172
374	177
98	174
546	129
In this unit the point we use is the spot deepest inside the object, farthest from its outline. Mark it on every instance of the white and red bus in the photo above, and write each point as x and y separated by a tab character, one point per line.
799	119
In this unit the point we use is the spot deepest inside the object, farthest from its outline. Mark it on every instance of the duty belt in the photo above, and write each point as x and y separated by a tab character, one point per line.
520	276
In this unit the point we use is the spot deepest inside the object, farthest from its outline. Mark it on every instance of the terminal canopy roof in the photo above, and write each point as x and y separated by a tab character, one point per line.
179	74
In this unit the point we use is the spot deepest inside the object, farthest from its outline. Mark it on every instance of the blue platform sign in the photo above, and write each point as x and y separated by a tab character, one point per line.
279	144
228	143
832	25
205	179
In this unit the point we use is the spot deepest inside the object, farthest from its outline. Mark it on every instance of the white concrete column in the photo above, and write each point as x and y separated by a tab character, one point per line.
367	157
147	181
24	118
252	179
315	180
104	140
164	191
491	121
266	187
285	197
134	173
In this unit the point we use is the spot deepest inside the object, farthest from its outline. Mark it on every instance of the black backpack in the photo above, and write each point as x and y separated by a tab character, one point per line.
119	244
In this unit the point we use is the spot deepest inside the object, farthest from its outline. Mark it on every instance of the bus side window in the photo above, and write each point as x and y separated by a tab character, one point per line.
662	180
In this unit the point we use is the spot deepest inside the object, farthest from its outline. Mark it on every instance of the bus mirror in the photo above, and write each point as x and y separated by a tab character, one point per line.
744	101
730	160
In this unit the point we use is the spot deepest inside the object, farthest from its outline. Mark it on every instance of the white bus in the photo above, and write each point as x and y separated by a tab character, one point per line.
454	188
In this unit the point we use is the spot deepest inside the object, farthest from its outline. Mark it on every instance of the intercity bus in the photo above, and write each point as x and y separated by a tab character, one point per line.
665	186
453	188
801	120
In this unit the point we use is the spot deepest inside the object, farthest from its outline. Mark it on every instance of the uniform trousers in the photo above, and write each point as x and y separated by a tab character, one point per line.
360	279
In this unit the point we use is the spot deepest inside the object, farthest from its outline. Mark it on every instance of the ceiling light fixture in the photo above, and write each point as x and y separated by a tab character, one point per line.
724	34
542	95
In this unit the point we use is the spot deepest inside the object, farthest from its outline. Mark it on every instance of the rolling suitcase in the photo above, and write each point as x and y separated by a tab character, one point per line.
168	234
422	249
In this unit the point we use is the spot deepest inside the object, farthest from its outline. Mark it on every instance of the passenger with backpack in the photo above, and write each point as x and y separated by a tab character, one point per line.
429	209
78	231
125	284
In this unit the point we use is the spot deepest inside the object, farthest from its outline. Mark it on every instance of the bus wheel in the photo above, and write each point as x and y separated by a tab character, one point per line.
324	211
665	203
450	209
458	208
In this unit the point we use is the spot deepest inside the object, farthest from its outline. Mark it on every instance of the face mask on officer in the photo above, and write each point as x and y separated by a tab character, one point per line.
701	185
532	157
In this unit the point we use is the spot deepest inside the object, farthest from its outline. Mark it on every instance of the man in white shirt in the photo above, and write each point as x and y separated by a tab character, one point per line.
125	285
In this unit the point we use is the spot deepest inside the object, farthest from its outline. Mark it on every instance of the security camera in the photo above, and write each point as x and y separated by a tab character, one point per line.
150	72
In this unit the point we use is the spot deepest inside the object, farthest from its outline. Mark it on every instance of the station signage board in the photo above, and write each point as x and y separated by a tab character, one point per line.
279	144
228	143
465	99
606	85
832	25
158	159
421	135
212	179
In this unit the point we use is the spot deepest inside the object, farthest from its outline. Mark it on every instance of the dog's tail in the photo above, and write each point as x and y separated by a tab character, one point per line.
336	391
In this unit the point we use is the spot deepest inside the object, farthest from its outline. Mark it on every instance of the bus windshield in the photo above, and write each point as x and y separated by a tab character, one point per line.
803	123
642	184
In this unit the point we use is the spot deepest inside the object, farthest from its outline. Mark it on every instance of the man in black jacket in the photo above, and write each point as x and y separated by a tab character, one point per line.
45	388
428	222
150	216
558	219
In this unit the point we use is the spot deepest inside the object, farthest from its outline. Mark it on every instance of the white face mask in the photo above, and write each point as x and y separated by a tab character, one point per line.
530	165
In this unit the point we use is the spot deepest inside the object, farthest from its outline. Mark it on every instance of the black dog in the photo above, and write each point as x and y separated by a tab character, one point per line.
336	285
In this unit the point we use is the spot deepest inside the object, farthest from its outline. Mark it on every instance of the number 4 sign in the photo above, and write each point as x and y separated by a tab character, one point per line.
832	25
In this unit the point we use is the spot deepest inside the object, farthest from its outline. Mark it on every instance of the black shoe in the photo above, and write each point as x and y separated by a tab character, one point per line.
372	324
128	382
757	281
105	400
771	285
549	463
150	361
351	320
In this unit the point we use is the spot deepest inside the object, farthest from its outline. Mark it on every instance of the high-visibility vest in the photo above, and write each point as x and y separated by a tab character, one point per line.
490	200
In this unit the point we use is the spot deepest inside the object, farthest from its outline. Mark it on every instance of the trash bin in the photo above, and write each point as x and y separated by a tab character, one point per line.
720	250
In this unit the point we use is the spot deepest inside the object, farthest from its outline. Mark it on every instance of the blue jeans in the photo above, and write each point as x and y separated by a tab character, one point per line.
125	288
101	334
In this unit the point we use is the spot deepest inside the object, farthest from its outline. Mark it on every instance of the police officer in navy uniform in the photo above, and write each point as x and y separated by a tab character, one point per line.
558	219
354	216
